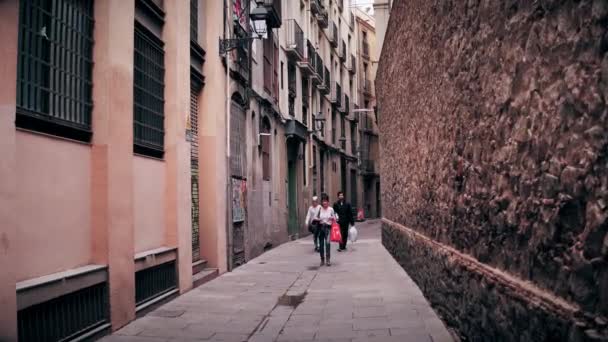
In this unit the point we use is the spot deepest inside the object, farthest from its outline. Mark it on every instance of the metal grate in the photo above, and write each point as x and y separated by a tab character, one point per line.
194	172
238	162
65	317
54	69
148	93
194	20
154	281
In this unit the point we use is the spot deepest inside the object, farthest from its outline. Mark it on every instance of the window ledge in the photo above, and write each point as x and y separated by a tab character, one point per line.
154	257
38	290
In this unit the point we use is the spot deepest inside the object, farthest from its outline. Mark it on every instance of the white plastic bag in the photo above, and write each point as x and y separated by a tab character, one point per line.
352	234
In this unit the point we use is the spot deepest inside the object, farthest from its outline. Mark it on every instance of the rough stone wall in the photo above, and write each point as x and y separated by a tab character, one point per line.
494	136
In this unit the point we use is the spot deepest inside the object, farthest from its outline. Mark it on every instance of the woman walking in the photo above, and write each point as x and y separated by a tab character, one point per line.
326	217
312	221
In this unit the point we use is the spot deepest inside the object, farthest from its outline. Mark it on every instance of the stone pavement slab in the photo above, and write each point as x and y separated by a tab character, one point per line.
284	295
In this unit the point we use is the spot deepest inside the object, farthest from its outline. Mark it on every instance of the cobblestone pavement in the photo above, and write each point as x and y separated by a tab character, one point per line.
284	295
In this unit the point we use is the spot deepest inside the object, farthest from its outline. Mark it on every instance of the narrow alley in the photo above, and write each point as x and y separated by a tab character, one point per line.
284	296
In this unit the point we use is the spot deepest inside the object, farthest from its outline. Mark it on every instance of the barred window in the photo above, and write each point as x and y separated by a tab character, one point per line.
54	71
238	156
148	93
194	20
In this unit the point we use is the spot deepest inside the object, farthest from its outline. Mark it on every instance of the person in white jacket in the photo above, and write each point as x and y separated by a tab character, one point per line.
327	216
312	221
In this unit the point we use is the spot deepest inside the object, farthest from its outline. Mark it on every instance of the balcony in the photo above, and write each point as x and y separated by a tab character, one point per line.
346	104
307	64
240	68
294	40
333	34
368	167
322	17
295	129
271	10
291	84
315	77
368	88
365	50
315	6
352	67
336	95
323	83
342	51
326	82
367	124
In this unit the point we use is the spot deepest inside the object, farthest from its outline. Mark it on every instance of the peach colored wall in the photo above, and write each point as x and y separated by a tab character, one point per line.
53	205
149	203
9	11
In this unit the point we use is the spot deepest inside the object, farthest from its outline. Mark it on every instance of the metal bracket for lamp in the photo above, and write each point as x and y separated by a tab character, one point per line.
230	44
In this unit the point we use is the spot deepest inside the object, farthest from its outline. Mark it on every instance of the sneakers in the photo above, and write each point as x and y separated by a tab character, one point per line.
328	263
317	249
322	263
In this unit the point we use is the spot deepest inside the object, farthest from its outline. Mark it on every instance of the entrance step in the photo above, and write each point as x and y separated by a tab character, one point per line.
204	276
198	266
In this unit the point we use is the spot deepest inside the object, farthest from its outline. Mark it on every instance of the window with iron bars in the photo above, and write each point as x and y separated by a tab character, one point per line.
194	20
54	68
148	93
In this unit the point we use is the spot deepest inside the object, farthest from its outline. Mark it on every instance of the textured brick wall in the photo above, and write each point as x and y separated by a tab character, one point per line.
495	138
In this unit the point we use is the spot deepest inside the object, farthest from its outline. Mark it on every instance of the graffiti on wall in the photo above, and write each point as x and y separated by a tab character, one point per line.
239	199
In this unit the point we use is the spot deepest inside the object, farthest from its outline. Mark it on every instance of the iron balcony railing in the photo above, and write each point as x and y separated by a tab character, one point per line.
342	53
367	123
353	64
319	67
306	64
291	83
346	104
333	34
315	6
368	166
365	50
294	39
336	96
325	85
305	93
322	17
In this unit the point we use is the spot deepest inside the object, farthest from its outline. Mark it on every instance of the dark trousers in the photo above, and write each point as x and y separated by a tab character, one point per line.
324	246
315	234
344	233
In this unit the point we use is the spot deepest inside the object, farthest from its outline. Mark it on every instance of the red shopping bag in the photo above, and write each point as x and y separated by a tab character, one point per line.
335	235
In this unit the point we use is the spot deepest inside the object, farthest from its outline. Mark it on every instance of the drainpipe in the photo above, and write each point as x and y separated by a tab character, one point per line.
228	173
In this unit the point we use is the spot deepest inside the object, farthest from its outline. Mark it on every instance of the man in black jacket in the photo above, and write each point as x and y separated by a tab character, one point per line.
345	218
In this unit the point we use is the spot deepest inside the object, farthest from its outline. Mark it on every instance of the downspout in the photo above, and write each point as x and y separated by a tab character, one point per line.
228	173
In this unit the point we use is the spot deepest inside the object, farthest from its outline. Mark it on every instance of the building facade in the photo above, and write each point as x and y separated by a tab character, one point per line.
382	13
137	165
369	151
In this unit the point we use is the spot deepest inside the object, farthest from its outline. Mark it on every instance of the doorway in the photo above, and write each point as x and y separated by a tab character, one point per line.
292	187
